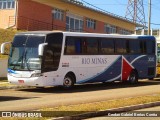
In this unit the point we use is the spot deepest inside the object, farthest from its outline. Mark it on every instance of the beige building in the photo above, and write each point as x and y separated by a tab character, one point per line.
67	15
154	32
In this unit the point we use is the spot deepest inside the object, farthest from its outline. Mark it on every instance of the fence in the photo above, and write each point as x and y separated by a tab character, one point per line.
24	23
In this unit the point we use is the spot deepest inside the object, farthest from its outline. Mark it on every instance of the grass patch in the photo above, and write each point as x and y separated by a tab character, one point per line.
5	85
3	79
97	106
4	82
62	111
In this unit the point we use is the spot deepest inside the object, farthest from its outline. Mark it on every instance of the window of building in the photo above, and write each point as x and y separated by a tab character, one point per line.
125	32
90	23
110	29
7	4
74	23
58	14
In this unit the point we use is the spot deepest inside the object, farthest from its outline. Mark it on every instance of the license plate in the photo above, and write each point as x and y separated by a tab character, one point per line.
21	81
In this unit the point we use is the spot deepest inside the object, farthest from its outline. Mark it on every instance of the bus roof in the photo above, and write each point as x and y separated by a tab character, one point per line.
86	34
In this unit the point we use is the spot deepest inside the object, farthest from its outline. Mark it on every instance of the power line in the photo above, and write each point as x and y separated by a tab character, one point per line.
94	6
102	10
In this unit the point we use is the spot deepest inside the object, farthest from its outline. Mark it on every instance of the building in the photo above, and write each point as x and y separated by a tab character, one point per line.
66	15
154	32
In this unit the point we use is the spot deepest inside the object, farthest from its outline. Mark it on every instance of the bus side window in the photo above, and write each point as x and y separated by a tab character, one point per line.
84	46
78	46
70	46
120	46
144	47
92	46
73	46
134	46
48	59
150	47
52	52
107	46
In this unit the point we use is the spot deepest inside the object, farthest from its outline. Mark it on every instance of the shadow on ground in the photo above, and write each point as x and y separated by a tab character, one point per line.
11	98
92	87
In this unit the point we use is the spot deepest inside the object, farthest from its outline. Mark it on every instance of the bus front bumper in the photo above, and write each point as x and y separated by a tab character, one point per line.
33	81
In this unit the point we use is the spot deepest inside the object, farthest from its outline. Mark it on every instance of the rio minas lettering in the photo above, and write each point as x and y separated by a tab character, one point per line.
94	60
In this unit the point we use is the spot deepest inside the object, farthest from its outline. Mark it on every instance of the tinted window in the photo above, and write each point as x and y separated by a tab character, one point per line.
107	46
143	46
84	45
70	46
19	41
34	41
120	46
150	47
92	46
52	52
73	46
134	46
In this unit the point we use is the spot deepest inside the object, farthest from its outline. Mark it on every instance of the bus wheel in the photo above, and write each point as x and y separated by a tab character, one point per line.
133	78
68	81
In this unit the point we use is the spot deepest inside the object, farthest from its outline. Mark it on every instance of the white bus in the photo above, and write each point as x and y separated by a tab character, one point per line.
53	58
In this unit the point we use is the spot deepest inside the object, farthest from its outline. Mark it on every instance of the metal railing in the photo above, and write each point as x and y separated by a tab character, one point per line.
29	24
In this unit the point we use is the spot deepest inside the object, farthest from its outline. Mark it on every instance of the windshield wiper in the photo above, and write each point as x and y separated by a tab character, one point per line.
27	64
16	62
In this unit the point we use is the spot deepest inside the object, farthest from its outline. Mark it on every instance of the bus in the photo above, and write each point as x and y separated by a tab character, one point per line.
158	57
57	58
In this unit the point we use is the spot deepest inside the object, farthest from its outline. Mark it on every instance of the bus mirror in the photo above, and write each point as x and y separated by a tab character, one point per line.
3	46
41	48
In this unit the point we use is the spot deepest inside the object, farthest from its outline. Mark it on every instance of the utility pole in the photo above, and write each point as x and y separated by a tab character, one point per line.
149	17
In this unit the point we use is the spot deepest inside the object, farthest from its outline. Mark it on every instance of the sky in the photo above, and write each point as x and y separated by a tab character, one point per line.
119	7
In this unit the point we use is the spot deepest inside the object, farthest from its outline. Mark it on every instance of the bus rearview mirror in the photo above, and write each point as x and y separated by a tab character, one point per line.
41	48
3	46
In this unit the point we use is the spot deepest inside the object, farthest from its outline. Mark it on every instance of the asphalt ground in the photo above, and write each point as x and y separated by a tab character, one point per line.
94	115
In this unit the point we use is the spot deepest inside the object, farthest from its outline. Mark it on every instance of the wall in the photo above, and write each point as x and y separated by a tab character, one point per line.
81	11
36	15
31	14
3	68
4	18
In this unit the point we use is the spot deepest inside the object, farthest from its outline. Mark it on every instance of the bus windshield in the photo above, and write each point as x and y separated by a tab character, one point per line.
24	52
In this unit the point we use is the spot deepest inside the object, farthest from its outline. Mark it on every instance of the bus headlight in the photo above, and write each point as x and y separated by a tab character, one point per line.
36	75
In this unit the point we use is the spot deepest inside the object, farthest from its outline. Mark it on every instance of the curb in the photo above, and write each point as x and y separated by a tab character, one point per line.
3	86
106	112
10	87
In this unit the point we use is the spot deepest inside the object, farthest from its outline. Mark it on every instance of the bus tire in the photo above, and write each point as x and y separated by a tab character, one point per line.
133	77
68	81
